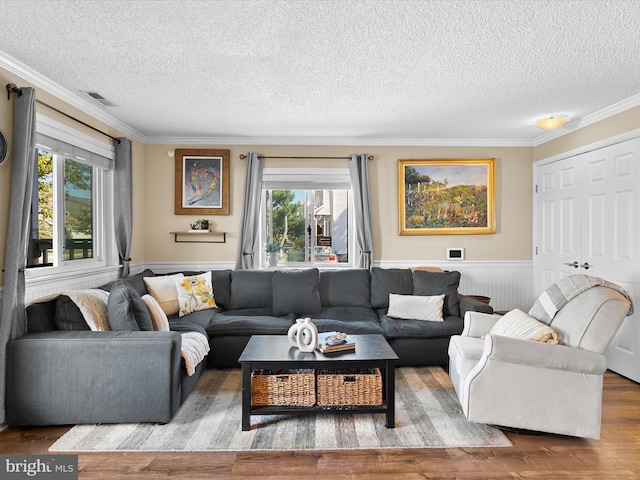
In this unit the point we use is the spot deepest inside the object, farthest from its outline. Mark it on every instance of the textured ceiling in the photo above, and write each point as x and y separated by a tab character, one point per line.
377	70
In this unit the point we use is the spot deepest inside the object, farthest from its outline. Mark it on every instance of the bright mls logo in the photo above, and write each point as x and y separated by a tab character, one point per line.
51	467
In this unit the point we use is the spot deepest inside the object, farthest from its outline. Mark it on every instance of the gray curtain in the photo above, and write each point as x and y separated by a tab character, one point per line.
248	247
359	173
13	320
123	209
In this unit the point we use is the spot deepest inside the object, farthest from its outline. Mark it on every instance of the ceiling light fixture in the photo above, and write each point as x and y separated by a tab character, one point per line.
552	122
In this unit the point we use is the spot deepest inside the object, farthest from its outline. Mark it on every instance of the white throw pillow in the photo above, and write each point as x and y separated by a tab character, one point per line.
163	289
195	293
416	307
158	317
517	324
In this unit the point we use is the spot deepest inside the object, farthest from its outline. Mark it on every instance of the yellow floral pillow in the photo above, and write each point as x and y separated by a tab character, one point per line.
195	293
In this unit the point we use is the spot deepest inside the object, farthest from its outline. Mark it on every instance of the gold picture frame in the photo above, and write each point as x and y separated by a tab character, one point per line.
202	182
446	196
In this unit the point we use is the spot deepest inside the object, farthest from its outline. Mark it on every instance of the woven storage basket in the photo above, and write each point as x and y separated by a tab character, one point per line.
283	387
349	387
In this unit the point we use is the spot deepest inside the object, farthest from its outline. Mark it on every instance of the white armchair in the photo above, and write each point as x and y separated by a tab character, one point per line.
539	386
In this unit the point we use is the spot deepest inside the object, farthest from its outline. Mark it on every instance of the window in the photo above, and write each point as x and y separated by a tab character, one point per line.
307	212
71	198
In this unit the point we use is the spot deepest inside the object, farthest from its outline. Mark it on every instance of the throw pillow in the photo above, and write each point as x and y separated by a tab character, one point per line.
163	289
195	293
416	307
437	283
126	309
68	316
158	317
296	291
517	324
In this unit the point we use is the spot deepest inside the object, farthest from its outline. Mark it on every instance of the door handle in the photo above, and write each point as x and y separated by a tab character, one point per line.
574	265
586	266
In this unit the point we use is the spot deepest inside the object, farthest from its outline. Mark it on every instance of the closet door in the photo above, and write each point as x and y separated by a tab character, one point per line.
587	222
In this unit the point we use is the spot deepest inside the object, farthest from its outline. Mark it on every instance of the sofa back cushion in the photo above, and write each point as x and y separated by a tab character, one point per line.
385	281
345	288
296	291
221	280
251	289
41	315
437	283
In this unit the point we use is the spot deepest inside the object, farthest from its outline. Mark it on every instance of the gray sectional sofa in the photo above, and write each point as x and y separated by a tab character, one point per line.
78	376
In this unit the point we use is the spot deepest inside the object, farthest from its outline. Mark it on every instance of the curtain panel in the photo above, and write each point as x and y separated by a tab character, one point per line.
13	319
123	202
248	253
359	172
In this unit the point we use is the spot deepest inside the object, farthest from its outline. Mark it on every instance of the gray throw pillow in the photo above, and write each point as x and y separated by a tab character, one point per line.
437	283
296	291
126	309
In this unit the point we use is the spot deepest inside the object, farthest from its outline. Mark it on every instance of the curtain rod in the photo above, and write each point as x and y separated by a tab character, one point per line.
12	88
243	157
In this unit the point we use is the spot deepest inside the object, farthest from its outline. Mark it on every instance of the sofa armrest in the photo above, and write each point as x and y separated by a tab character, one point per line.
543	355
477	324
470	304
65	377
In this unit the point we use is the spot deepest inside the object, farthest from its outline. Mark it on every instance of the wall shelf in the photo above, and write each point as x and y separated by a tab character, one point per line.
199	236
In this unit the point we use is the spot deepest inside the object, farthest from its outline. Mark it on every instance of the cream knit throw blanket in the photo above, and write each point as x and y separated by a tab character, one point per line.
559	294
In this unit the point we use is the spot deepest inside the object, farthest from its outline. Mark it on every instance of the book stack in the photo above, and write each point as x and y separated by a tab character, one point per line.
333	342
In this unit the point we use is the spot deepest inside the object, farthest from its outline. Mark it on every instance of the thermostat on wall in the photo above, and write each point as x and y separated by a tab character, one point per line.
455	253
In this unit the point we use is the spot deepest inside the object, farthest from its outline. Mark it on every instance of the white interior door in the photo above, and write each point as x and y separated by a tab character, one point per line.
587	222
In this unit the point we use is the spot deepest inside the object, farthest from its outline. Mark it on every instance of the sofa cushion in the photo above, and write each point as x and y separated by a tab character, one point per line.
354	320
195	293
126	309
251	289
517	324
416	307
437	283
221	281
345	288
296	291
158	317
238	325
40	316
397	328
163	289
389	280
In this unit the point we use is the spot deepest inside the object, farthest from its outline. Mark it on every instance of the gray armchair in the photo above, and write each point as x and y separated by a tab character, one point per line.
539	386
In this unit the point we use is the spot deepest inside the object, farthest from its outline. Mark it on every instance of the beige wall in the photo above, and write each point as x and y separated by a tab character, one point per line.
607	128
512	240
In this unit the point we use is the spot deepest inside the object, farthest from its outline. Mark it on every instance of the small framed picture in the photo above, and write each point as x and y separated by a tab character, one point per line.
202	182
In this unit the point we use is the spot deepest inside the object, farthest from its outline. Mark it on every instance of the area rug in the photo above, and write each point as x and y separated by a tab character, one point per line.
427	415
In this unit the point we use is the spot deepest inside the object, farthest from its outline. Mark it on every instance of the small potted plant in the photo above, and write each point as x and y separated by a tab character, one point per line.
272	249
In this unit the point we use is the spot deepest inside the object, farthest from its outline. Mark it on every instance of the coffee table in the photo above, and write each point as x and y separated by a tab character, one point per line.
273	352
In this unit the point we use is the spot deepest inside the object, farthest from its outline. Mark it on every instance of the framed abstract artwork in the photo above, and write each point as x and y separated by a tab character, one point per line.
446	196
202	182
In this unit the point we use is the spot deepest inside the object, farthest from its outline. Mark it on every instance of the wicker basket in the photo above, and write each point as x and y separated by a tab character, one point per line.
283	387
349	387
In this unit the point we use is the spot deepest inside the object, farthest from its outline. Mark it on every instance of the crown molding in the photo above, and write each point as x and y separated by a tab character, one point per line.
339	141
40	81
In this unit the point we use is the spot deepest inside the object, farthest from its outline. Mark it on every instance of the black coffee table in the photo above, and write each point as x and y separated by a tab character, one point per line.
274	352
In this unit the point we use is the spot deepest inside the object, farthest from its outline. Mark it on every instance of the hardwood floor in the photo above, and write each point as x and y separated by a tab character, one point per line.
615	456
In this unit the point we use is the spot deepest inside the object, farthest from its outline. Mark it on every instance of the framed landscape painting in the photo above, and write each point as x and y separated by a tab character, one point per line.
202	182
446	196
